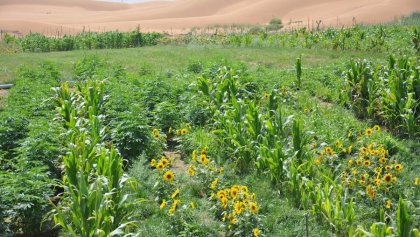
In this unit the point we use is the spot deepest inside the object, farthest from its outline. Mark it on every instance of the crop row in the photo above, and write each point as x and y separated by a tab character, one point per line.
36	42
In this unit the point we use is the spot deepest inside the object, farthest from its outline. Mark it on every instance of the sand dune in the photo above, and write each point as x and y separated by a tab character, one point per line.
72	16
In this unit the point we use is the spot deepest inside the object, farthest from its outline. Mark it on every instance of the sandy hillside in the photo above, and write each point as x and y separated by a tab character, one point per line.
72	16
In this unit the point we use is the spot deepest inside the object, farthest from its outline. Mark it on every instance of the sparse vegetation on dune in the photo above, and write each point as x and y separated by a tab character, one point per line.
196	139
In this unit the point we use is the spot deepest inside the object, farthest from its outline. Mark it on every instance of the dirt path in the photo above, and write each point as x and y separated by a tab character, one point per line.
178	165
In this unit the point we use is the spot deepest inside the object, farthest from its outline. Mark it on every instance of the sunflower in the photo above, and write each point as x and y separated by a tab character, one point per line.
238	208
388	178
194	155
160	166
253	196
398	167
366	163
214	183
266	96
176	193
328	150
153	163
350	162
192	204
221	194
349	150
184	131
164	161
388	167
203	159
253	207
377	182
176	204
368	132
372	194
191	170
376	128
163	204
388	204
363	149
362	182
224	202
169	176
171	211
234	192
338	144
204	150
256	232
306	110
382	160
317	161
368	188
233	221
417	181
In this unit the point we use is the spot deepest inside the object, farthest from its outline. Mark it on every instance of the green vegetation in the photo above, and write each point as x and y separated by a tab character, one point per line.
218	136
36	42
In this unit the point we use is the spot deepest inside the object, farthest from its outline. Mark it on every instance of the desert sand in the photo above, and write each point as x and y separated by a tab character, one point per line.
54	17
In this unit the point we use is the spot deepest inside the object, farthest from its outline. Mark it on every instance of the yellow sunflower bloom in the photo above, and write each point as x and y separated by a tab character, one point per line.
388	204
234	192
238	208
163	204
214	184
173	196
253	207
417	181
160	166
256	232
191	170
168	176
153	163
388	178
368	132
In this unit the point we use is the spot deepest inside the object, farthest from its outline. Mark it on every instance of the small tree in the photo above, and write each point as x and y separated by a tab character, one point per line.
274	25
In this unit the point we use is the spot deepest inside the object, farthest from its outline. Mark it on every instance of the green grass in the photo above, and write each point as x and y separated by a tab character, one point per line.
166	58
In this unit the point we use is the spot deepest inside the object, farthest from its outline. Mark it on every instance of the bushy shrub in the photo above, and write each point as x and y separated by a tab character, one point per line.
12	130
132	135
166	115
87	67
24	195
43	144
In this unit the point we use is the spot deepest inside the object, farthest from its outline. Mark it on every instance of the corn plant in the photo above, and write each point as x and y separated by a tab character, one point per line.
299	72
95	201
401	101
361	88
300	141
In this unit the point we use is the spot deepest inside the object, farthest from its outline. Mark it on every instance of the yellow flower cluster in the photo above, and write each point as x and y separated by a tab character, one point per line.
161	165
175	203
236	203
372	169
202	163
